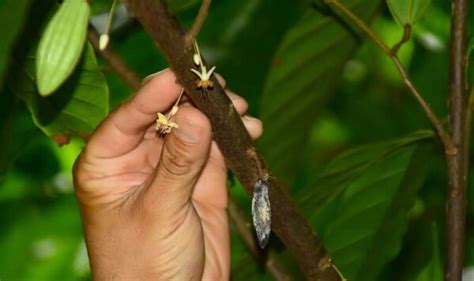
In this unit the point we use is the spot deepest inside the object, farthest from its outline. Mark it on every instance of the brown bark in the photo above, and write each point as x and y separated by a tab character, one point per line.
456	161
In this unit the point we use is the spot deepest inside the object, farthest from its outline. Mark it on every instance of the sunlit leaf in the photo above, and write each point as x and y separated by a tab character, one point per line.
78	107
366	194
306	70
12	18
408	11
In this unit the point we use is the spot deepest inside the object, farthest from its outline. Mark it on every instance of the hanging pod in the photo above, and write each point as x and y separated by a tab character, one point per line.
61	45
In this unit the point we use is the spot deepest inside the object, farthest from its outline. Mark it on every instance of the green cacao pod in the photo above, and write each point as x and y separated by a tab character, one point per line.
61	45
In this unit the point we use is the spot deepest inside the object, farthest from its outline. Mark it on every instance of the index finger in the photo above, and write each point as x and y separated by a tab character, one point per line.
124	128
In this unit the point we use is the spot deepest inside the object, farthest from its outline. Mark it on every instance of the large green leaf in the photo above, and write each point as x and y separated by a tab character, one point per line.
12	17
77	108
366	194
306	70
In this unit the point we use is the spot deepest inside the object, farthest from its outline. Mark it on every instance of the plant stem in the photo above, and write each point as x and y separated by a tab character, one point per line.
457	163
234	141
110	17
115	62
198	22
436	122
405	38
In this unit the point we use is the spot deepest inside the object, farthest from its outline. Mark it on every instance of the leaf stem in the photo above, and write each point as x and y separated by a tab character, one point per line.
436	122
405	38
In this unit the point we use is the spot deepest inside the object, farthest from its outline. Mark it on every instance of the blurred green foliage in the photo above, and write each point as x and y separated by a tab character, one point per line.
321	88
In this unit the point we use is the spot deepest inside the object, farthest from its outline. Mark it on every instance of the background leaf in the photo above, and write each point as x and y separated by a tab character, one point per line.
12	17
369	191
42	241
76	109
305	71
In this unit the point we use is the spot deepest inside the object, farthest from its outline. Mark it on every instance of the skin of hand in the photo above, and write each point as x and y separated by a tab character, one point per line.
155	208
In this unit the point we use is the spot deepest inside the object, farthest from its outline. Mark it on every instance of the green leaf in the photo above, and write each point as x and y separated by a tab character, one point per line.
366	195
78	107
306	70
61	45
434	270
408	11
12	17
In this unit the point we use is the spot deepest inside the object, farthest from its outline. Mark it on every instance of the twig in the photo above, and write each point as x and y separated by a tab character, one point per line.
198	22
243	227
406	36
116	63
443	134
105	37
234	140
273	267
457	164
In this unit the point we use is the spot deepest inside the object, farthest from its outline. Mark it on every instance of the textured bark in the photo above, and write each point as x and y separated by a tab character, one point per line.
456	161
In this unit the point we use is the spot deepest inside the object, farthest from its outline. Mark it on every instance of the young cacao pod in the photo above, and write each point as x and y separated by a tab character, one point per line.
61	45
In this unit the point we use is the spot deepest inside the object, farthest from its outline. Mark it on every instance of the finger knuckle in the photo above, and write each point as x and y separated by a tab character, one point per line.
176	161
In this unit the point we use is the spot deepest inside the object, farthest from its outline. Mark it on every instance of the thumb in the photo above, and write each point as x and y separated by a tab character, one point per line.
185	152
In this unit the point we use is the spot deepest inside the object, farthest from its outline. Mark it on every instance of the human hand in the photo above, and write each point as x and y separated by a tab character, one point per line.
154	208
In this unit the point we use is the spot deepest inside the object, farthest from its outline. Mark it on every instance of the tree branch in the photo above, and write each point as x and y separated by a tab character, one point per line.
435	121
233	140
457	163
115	62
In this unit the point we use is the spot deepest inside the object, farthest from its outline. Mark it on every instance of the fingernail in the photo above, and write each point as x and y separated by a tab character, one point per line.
188	132
149	77
250	118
